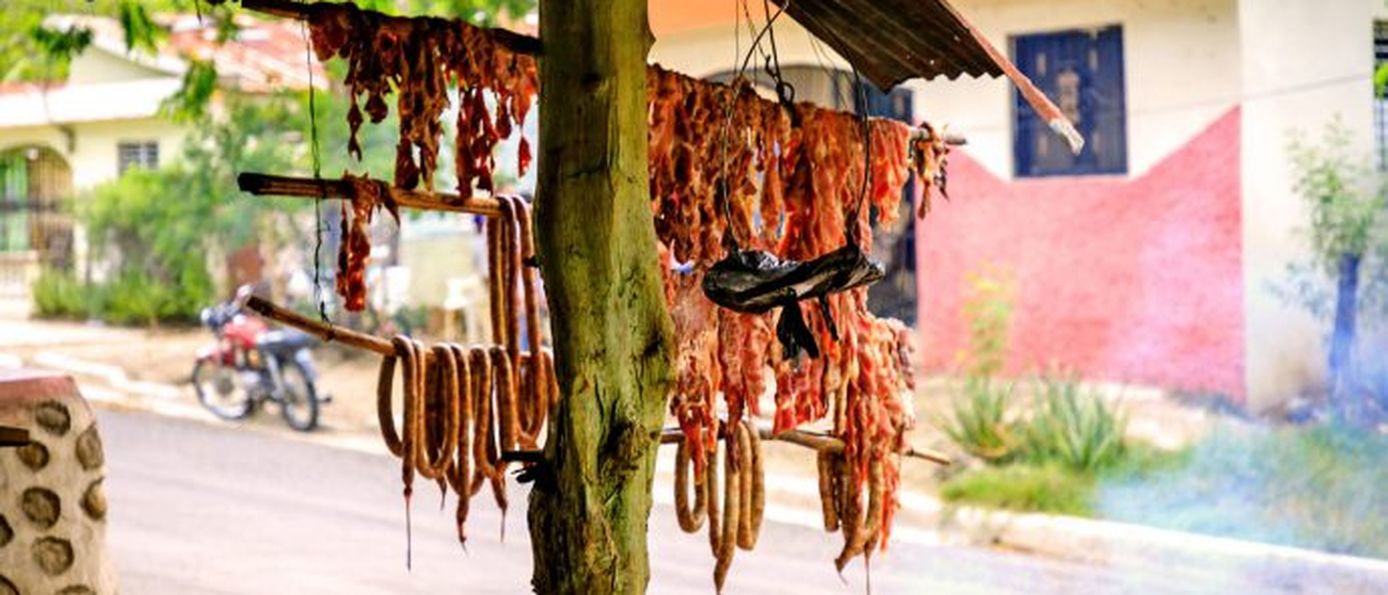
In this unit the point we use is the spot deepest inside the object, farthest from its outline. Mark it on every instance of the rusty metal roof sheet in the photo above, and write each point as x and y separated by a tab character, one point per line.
894	40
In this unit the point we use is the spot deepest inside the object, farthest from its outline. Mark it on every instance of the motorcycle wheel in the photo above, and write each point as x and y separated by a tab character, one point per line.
217	390
298	398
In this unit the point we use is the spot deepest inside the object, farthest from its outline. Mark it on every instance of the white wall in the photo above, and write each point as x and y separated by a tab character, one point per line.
1306	62
1181	71
90	150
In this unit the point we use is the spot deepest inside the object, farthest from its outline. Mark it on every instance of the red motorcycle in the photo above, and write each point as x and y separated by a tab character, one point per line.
249	364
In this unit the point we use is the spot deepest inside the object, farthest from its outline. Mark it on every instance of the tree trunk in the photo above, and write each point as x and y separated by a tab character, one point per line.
1342	338
613	337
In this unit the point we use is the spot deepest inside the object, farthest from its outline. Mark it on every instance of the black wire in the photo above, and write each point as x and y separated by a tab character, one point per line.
317	177
757	41
727	121
850	233
784	91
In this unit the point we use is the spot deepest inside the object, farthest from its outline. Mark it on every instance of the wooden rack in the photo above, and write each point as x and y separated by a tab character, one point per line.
331	332
273	185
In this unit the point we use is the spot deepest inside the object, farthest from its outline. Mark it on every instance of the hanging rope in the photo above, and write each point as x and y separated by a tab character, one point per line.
317	159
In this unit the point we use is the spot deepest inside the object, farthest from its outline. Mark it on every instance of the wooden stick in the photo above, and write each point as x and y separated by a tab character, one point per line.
273	185
326	331
291	9
811	440
12	437
322	330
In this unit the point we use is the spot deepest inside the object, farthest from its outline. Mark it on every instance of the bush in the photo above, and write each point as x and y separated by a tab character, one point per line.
59	295
979	422
1079	430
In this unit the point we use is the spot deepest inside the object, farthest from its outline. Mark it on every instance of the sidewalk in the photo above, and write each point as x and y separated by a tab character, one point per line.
793	493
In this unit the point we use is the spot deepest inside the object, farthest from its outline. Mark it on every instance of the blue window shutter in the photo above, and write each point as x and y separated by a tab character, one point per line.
1082	72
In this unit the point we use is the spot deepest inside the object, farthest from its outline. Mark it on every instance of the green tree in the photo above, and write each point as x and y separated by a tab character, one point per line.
1345	200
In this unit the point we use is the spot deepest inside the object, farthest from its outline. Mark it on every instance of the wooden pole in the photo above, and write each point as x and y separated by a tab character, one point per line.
614	340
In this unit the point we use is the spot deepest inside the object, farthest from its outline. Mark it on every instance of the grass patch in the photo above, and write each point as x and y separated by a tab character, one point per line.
1054	487
1324	487
1022	487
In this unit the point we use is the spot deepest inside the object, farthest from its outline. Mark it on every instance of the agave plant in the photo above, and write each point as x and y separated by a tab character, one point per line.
1075	428
980	422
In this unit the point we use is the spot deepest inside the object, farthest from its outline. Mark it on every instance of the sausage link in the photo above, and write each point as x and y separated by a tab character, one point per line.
495	279
506	407
711	500
385	414
753	485
512	265
537	387
855	533
409	366
732	517
483	436
876	493
828	495
690	520
441	432
460	472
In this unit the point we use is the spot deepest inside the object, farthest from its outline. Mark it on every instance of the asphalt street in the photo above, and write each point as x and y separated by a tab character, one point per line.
199	508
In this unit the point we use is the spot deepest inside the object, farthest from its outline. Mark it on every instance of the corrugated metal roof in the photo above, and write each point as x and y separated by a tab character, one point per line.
894	40
890	41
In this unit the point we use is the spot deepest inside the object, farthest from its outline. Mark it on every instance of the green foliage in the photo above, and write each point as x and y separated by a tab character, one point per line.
1072	428
980	423
155	225
987	311
481	12
189	104
1024	488
140	31
1344	199
59	295
1340	193
61	45
29	51
132	298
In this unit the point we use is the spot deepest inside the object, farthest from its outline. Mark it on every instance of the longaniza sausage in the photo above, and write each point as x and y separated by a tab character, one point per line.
537	387
506	407
385	414
753	485
690	520
483	435
732	517
828	494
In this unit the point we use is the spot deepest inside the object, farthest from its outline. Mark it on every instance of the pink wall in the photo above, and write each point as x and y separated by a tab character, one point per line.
1133	280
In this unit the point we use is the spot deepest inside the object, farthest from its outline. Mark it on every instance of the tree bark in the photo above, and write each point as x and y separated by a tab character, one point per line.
613	336
1342	338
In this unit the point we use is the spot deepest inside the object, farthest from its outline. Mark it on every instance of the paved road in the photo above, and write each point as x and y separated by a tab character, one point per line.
197	508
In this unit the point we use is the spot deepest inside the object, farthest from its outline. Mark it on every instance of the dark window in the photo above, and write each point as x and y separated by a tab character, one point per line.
1380	102
1082	72
143	154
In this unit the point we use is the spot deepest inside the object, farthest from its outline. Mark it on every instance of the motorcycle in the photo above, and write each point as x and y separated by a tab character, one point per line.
248	364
